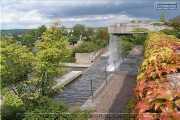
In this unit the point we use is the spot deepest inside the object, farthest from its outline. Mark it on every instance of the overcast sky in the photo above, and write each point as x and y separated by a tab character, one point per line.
27	14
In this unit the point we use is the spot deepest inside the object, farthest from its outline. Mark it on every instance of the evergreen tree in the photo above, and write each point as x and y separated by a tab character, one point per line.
163	17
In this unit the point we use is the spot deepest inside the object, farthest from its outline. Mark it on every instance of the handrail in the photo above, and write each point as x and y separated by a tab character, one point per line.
104	45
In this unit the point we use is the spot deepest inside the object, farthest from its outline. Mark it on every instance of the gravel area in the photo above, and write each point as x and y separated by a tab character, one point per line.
117	97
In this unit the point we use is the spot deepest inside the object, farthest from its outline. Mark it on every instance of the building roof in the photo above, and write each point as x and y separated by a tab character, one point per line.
175	19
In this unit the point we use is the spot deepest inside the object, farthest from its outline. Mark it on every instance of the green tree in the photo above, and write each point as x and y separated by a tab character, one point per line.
64	31
51	51
89	31
28	40
16	62
133	21
32	32
73	39
102	33
139	21
46	105
162	17
11	105
41	30
15	37
78	30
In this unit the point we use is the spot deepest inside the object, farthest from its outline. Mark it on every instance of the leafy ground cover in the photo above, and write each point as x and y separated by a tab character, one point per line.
155	97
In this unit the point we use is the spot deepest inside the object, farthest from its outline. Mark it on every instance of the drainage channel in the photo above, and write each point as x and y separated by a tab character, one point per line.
79	90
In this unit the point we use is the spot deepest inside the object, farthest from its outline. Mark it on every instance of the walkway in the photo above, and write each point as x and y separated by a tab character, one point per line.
120	93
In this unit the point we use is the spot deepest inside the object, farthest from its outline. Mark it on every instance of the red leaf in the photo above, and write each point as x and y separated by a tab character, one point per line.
177	94
157	105
159	72
165	117
142	106
139	89
148	70
176	115
177	102
166	94
171	68
165	80
150	84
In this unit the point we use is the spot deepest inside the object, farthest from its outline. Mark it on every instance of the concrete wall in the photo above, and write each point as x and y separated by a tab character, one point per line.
87	57
123	28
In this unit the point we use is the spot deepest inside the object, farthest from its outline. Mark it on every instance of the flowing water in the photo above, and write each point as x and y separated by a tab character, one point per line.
114	59
79	90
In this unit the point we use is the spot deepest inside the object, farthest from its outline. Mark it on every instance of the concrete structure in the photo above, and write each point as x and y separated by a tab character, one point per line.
91	103
87	57
129	67
81	65
67	78
127	28
104	56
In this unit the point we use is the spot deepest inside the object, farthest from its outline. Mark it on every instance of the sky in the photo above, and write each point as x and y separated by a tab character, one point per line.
30	14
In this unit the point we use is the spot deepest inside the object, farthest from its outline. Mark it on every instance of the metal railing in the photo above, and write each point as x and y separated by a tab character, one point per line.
92	57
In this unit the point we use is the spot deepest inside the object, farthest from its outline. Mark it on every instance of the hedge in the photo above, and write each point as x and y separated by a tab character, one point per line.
155	97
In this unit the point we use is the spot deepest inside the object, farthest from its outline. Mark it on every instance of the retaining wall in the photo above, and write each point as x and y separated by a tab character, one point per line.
87	57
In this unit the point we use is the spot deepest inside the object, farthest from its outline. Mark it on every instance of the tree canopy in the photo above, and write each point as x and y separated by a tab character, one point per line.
16	62
79	29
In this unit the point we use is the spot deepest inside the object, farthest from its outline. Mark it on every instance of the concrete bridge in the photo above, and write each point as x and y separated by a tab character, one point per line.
127	28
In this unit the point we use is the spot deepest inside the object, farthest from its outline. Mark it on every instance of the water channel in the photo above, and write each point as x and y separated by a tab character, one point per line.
79	90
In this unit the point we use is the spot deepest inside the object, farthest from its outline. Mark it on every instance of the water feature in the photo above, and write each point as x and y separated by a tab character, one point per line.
114	60
79	90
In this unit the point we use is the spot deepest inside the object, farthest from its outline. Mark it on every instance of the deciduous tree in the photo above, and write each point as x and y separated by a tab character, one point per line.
78	30
16	62
51	50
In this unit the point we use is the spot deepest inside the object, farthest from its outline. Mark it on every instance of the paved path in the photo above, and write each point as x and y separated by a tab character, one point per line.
121	92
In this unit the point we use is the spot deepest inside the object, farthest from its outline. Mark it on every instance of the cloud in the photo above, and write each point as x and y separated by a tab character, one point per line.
31	14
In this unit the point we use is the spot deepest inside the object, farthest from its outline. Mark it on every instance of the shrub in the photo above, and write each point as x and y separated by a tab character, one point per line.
9	112
86	47
154	92
141	30
139	39
69	59
124	49
73	39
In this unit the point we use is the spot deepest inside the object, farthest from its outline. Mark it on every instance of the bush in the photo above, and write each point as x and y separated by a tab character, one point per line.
125	48
86	47
69	59
73	39
154	92
9	112
174	32
139	39
46	105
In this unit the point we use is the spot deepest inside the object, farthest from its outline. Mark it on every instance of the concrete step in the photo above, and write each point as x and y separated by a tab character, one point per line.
67	78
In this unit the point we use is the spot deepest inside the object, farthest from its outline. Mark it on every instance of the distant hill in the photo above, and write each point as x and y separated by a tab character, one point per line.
175	19
14	31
